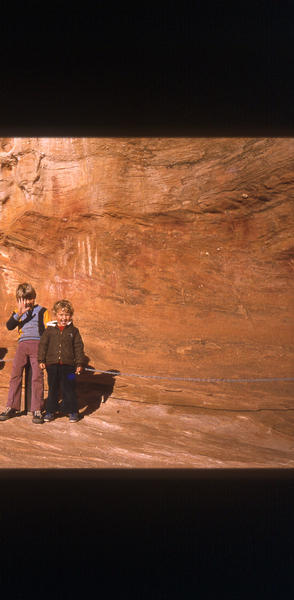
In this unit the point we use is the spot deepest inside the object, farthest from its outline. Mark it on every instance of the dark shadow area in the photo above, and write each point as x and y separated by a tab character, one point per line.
3	351
189	530
94	389
207	71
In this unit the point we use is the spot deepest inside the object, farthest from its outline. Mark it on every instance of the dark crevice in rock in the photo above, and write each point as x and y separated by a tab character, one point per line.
36	215
16	243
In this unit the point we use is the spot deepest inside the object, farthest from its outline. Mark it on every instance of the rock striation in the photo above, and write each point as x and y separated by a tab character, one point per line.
177	254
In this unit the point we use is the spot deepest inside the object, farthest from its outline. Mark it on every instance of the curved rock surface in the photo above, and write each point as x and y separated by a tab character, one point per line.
124	435
177	254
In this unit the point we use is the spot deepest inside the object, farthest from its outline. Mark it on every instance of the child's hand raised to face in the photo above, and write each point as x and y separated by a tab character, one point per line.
21	307
24	304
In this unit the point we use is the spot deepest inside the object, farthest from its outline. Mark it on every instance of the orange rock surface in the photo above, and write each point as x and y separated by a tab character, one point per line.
177	254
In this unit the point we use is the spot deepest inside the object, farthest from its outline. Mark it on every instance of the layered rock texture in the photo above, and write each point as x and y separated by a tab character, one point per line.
177	255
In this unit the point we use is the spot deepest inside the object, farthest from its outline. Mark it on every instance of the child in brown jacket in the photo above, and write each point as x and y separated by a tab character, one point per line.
61	352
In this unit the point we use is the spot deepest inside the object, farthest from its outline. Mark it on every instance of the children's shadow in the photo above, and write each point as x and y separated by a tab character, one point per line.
94	389
3	351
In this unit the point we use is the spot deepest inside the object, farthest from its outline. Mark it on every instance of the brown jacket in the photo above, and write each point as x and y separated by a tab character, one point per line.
61	346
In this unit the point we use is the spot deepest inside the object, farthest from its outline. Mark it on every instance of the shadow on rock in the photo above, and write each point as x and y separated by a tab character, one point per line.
94	389
3	351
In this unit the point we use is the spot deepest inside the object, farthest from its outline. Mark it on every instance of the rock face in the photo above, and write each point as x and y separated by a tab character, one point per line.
177	254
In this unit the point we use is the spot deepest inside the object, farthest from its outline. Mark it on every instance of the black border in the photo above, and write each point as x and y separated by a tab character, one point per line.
192	72
146	533
213	69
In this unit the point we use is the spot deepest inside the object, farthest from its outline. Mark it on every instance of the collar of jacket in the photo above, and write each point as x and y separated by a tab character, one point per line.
54	324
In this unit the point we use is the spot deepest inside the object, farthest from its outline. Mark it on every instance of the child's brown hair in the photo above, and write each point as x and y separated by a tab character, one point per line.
25	290
64	306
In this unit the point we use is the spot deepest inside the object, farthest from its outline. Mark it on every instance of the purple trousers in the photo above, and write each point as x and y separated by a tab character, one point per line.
25	350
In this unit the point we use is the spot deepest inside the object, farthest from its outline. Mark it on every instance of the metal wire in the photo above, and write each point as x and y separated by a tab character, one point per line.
195	379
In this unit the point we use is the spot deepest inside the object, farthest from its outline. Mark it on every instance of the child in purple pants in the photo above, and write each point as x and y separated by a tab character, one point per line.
31	320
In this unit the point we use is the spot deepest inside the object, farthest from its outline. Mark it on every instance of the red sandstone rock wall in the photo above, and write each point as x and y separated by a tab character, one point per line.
177	254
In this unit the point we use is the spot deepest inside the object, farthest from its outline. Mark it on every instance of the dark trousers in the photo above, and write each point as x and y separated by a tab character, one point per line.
61	377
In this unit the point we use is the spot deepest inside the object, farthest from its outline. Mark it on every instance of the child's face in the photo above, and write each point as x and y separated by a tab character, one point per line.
28	302
63	317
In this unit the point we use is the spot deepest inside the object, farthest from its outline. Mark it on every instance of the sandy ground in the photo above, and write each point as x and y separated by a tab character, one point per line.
122	434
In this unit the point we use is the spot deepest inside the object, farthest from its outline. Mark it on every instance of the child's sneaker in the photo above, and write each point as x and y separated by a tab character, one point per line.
8	413
49	417
74	417
37	418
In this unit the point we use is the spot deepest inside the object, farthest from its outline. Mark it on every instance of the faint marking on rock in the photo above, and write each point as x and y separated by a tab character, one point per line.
183	349
89	256
241	310
212	346
109	425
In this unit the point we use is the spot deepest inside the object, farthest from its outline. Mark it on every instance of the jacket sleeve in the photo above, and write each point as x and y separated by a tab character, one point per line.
78	349
13	321
43	346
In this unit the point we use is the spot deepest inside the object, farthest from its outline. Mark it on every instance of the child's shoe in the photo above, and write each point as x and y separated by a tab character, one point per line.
8	413
74	417
49	417
37	418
